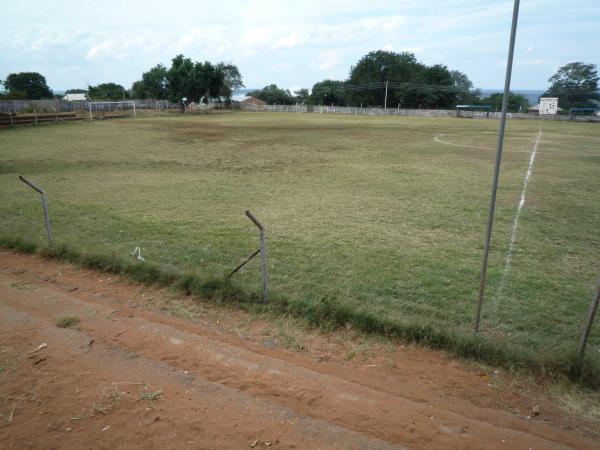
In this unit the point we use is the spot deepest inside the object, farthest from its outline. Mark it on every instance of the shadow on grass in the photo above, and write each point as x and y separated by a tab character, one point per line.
331	314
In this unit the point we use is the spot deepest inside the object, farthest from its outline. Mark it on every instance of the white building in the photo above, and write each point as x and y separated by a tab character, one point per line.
548	105
75	97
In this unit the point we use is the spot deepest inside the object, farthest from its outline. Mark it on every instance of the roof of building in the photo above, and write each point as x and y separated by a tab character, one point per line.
75	97
474	107
253	101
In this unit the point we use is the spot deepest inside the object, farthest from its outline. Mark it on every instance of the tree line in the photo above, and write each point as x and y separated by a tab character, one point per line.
195	81
412	84
384	78
379	78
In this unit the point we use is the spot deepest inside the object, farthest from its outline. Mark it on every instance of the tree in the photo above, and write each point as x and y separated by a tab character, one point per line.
575	84
516	102
409	82
30	85
180	78
465	94
274	95
138	90
437	89
374	69
232	80
329	92
107	91
302	96
153	84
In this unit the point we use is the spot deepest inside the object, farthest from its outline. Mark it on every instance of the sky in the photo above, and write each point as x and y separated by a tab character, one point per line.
293	44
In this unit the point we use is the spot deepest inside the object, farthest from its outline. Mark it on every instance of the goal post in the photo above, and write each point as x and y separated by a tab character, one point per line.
108	109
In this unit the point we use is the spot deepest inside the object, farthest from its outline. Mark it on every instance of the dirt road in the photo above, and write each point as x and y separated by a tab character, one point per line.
130	376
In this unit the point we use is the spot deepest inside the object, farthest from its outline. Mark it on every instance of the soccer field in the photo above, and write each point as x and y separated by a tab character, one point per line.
383	214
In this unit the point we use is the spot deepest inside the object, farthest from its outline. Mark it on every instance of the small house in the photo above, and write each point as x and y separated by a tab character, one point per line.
253	101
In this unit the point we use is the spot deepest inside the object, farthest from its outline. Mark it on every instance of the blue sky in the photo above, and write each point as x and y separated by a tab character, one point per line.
291	43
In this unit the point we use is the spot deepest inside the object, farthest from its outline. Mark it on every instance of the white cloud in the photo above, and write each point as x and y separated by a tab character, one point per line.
100	50
327	60
291	40
317	38
415	50
254	37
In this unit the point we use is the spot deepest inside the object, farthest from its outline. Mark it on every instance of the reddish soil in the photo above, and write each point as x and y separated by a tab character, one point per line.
131	375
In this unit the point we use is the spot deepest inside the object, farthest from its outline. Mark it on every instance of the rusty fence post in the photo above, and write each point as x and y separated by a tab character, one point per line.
585	334
263	255
44	206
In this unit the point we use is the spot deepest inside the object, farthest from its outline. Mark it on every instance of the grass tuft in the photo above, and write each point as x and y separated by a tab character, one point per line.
67	321
18	244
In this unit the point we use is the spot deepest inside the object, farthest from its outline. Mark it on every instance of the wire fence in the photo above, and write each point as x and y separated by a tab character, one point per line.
298	108
56	105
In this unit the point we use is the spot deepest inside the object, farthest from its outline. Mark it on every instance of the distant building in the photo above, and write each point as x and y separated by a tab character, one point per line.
547	106
253	101
75	97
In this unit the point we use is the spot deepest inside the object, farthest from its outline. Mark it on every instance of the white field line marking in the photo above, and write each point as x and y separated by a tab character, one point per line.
441	141
513	236
437	139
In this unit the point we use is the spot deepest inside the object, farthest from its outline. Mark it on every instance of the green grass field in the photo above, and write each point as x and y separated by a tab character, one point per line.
369	213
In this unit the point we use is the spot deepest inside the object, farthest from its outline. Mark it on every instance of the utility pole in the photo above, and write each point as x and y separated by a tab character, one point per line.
386	89
490	223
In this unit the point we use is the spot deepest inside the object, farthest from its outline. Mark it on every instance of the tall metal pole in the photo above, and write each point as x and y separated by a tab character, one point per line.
490	223
585	334
385	101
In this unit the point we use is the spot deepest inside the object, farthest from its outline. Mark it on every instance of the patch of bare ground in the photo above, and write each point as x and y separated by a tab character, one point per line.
144	368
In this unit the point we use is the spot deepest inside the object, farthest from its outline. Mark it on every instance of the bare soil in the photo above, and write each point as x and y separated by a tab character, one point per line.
125	372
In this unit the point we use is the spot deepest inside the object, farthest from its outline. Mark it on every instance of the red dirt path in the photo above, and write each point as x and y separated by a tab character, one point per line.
130	376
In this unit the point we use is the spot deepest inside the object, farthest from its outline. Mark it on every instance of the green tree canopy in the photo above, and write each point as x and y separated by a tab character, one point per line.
516	102
201	81
329	92
29	85
302	96
180	78
463	88
410	83
274	95
107	91
374	69
575	84
152	85
232	79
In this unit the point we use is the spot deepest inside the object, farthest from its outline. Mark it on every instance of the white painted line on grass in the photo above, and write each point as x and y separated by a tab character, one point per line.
441	141
437	139
513	236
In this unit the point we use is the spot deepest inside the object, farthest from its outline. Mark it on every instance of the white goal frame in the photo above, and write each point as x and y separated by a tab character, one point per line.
123	102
